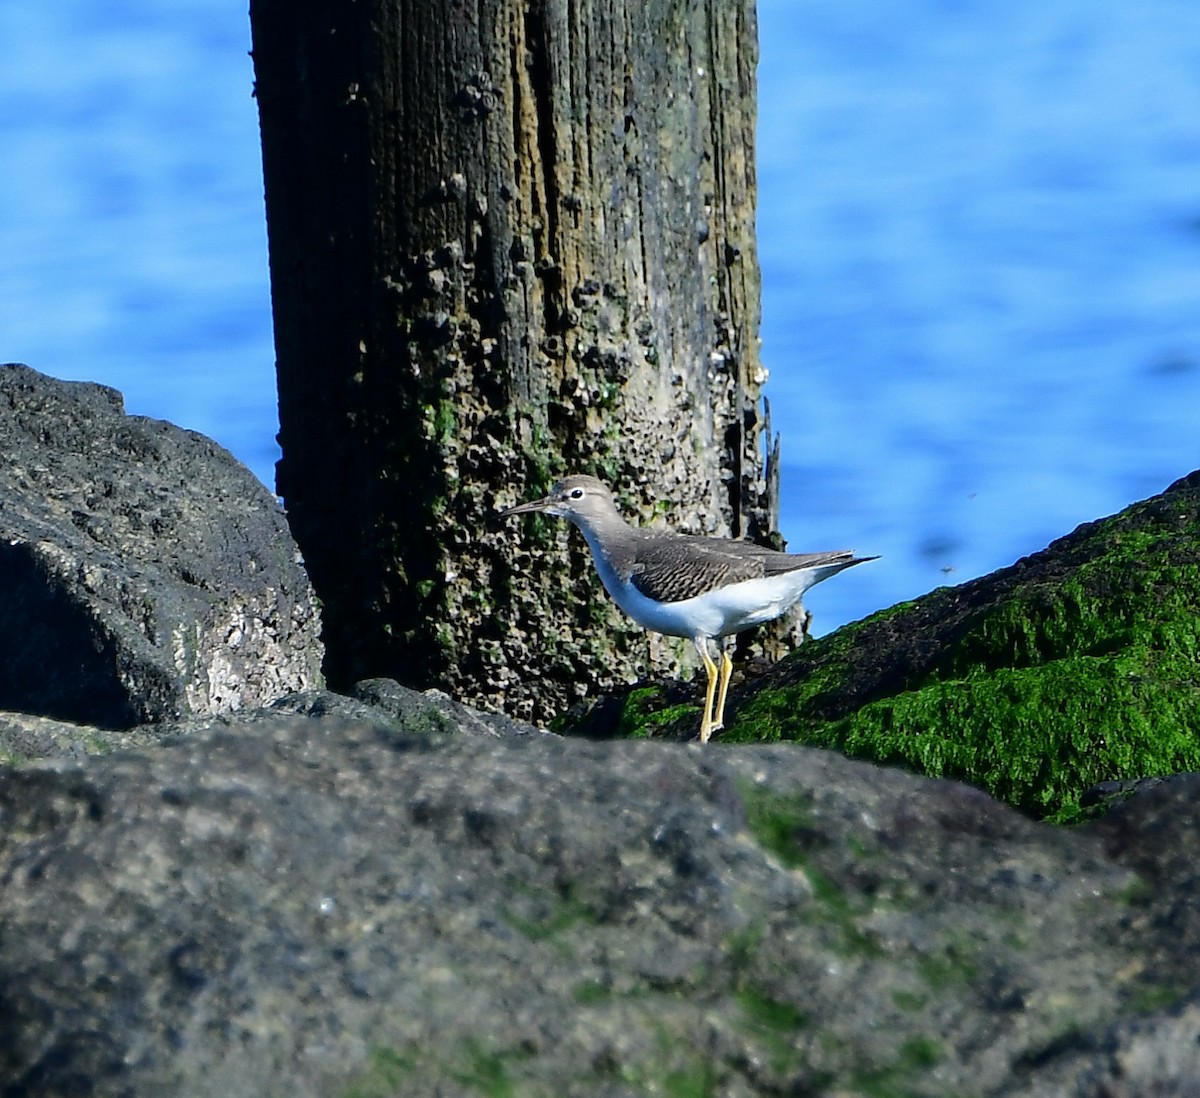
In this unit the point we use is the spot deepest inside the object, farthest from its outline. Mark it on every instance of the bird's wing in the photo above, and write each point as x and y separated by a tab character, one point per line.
677	568
682	567
775	562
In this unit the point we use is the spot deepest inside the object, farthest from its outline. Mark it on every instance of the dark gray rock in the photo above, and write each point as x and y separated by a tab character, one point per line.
1150	1055
435	711
316	906
26	736
144	573
1155	1052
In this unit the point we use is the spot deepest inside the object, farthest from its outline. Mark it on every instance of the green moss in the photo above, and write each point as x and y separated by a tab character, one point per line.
476	1067
909	1001
1151	998
952	968
610	395
564	913
741	948
541	531
1136	893
639	714
1065	680
679	1072
695	1082
861	850
772	1023
771	1014
642	714
662	717
591	992
445	421
784	826
608	468
895	1081
920	1052
385	1076
778	823
485	1071
540	473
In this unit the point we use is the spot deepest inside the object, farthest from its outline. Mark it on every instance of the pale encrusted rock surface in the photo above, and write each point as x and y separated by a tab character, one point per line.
144	573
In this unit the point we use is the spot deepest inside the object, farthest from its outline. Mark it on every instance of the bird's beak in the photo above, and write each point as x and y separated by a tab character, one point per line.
528	508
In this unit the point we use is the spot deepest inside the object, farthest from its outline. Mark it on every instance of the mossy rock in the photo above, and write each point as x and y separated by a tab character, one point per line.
1076	665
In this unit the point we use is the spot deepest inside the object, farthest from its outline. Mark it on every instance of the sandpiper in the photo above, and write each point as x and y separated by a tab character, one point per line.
683	585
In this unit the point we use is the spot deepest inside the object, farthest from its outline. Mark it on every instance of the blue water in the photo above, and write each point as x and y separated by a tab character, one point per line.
979	232
980	239
131	212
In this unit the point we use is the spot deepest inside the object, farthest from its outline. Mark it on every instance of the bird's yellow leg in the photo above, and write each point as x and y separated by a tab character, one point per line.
706	722
726	671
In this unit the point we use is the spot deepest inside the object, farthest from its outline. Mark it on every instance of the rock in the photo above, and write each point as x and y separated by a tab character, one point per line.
1155	1053
26	736
144	573
322	906
435	711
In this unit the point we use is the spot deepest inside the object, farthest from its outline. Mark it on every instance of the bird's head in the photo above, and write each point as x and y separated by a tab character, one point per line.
582	499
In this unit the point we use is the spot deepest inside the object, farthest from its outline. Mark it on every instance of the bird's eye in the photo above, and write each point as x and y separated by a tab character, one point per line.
576	493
